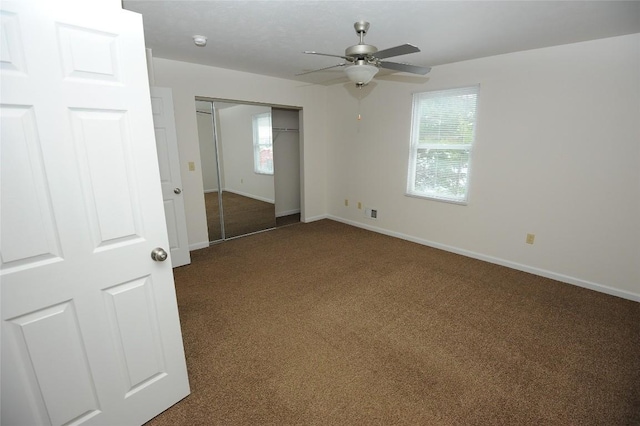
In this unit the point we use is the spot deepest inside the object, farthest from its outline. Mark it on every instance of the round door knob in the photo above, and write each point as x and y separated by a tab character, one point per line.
159	255
177	190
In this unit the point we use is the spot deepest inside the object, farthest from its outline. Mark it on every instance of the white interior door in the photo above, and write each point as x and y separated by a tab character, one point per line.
169	162
90	328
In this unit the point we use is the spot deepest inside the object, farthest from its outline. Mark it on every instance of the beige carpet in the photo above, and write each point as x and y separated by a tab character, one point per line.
327	324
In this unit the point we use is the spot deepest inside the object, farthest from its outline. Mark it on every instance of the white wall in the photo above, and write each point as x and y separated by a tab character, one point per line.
557	154
235	130
286	161
190	80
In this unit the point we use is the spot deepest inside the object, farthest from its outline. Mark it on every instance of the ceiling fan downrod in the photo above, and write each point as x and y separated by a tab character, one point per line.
361	50
361	29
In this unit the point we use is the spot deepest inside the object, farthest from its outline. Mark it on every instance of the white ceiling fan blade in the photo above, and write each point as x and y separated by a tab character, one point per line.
413	69
322	69
403	49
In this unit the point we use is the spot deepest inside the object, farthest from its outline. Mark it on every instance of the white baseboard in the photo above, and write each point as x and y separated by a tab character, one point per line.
207	191
502	262
198	246
320	217
287	212
255	197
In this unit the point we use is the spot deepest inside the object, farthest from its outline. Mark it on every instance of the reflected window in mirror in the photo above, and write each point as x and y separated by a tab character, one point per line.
262	144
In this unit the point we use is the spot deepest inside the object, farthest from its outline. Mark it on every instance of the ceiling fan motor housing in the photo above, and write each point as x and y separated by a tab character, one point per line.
360	51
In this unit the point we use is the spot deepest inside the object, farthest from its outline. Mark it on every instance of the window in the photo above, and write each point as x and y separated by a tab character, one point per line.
262	144
442	134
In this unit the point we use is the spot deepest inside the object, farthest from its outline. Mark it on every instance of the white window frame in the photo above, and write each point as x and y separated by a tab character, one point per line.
416	145
259	144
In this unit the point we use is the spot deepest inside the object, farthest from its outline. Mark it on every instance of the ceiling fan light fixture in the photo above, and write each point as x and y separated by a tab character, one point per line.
361	74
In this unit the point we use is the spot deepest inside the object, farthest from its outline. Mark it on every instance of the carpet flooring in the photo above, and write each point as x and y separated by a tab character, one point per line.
328	324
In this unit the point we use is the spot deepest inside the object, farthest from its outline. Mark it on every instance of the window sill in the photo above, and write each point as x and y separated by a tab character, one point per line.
432	198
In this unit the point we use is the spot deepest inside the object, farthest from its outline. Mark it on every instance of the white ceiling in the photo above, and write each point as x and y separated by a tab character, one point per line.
268	37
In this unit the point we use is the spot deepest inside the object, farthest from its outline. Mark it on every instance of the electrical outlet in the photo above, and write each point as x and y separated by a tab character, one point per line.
371	213
192	166
359	205
531	238
346	202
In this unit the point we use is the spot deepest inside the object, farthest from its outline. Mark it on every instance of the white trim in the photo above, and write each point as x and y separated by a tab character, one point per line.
198	246
208	191
255	197
423	196
502	262
319	217
287	212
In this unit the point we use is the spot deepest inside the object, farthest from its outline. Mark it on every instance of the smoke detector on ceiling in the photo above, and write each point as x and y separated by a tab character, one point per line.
199	40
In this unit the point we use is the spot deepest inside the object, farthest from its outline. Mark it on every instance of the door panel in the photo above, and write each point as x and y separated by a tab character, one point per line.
171	181
27	201
90	327
88	54
68	391
103	149
139	349
12	54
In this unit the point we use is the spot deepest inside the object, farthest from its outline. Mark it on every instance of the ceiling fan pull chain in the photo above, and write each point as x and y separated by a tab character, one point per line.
359	100
359	120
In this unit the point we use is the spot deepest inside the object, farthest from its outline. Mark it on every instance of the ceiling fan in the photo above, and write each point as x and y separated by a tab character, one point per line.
363	61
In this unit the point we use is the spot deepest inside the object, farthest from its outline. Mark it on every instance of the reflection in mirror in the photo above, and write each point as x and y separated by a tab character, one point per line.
250	158
246	152
237	157
210	172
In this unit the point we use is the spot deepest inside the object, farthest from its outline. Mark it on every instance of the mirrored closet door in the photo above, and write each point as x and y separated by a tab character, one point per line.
237	146
210	171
